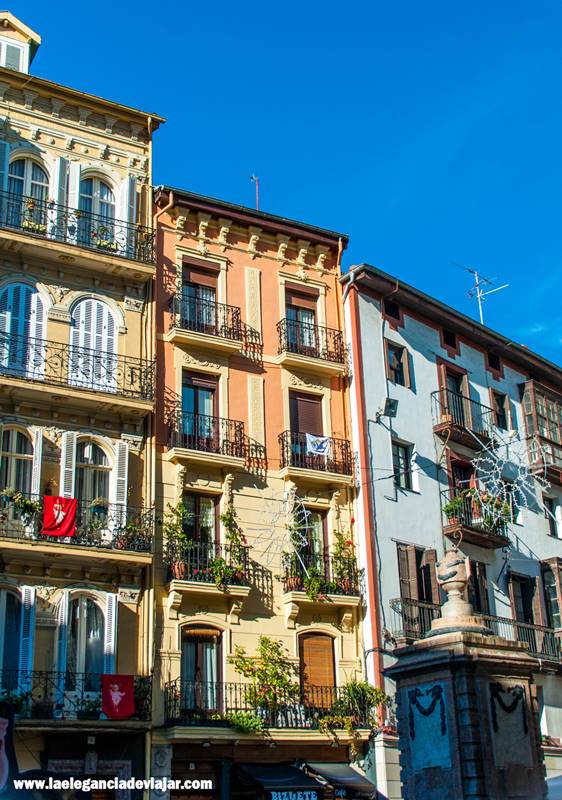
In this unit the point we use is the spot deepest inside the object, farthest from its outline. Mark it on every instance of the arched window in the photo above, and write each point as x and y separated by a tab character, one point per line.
22	349
26	205
10	636
92	472
201	663
92	361
85	644
16	461
318	676
97	214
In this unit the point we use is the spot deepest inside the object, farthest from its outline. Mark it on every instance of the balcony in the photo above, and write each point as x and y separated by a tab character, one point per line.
312	581
336	467
411	620
208	704
48	699
206	440
92	378
542	409
199	323
47	230
475	517
196	568
458	418
102	532
313	348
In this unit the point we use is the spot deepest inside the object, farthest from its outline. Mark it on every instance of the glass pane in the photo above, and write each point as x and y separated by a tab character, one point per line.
206	520
12	625
94	639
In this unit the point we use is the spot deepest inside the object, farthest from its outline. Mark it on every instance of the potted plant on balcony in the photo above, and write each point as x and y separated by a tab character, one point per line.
356	707
18	699
177	541
315	584
103	238
344	565
99	506
88	708
237	546
25	507
453	508
293	571
43	709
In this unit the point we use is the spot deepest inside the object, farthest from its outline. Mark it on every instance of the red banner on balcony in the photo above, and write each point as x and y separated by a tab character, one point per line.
59	516
117	696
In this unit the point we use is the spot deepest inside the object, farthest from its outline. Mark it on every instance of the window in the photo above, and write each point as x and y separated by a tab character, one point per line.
477	588
85	644
392	309
96	200
551	598
199	310
301	330
450	338
550	514
501	410
12	56
16	461
92	472
397	364
418	588
317	668
92	360
10	634
200	518
26	177
402	465
22	350
201	662
200	427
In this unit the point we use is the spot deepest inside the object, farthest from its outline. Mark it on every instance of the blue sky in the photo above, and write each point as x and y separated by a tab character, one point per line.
429	132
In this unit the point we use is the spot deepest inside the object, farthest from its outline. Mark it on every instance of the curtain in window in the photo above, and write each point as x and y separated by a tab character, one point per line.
188	660
209	653
207	520
94	635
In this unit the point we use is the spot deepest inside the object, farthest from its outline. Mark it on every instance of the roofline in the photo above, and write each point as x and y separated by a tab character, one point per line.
409	296
248	215
91	98
22	27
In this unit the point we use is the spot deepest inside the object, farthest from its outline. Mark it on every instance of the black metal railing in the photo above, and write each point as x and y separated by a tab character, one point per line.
210	703
462	411
60	223
204	316
328	574
66	695
306	339
207	434
62	364
107	526
473	509
295	453
226	564
411	619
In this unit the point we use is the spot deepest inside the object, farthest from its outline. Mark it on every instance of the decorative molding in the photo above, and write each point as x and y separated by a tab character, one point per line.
291	614
56	106
297	380
59	315
302	247
181	222
253	241
256	420
225	225
282	244
235	610
227	488
321	258
133	300
346	619
180	481
253	297
202	225
200	361
335	504
174	603
134	440
129	595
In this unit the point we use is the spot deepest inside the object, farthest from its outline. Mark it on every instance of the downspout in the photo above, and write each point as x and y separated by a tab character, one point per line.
367	500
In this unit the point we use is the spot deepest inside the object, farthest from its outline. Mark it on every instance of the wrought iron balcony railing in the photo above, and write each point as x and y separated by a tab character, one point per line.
411	619
461	411
336	575
208	563
294	453
49	220
474	509
315	341
66	695
110	526
203	316
61	364
210	703
207	434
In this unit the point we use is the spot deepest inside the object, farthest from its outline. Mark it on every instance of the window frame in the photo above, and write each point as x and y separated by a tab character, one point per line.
494	395
404	363
216	527
24	53
551	521
399	474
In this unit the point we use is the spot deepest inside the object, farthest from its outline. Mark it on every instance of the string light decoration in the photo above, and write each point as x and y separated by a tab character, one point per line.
284	529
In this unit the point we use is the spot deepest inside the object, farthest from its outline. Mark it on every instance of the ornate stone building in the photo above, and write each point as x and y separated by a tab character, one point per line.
77	261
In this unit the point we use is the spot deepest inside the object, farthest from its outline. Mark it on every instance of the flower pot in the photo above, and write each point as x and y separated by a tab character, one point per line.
179	570
446	419
294	583
43	710
346	585
453	521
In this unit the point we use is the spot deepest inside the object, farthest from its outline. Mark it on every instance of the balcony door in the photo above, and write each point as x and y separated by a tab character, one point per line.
201	528
305	417
199	308
93	346
96	221
85	647
199	423
301	323
201	668
315	532
22	349
10	637
26	205
317	669
455	402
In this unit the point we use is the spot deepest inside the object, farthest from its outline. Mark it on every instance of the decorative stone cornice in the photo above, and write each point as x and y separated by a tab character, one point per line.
321	257
202	225
225	225
253	241
282	244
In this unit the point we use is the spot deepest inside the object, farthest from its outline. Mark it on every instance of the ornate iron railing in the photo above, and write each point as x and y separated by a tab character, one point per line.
294	453
411	619
207	434
462	411
332	575
208	563
60	223
62	364
202	316
66	695
107	526
306	339
210	703
472	509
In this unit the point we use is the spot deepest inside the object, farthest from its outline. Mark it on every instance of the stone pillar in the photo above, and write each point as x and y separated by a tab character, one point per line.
467	714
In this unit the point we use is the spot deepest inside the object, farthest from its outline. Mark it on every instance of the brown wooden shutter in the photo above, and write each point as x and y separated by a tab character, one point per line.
317	668
407	573
306	413
482	579
539	615
201	272
430	557
301	299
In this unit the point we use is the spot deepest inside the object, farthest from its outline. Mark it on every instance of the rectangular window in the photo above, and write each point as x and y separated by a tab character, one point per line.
397	364
552	600
392	309
418	587
501	410
494	361
200	517
450	338
550	514
11	56
401	465
478	587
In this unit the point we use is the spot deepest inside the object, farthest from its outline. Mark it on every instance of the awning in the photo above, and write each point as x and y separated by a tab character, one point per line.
342	776
283	782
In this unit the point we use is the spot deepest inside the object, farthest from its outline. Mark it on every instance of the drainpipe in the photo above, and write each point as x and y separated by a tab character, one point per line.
367	499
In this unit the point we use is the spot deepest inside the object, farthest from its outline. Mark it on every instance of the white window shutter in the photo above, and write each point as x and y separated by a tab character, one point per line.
62	641
37	461
121	474
128	200
37	347
4	165
59	181
67	464
1	441
110	634
73	185
27	635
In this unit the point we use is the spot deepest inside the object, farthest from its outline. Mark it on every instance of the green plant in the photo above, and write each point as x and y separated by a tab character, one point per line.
25	507
356	707
242	721
315	584
343	557
274	676
176	537
454	506
99	502
17	699
88	706
222	573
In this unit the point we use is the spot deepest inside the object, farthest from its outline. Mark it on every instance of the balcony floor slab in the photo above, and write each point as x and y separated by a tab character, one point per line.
315	477
318	366
203	341
181	455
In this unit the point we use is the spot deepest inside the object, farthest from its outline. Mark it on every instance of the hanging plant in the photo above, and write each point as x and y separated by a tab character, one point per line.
177	541
274	676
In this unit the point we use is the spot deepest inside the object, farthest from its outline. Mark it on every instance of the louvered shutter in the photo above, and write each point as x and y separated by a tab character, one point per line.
58	191
37	461
1	440
430	558
75	228
127	215
68	464
62	641
482	579
317	668
306	414
73	185
120	481
13	57
37	347
110	634
4	166
27	635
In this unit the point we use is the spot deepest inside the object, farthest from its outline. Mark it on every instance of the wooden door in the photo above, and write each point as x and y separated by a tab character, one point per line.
317	669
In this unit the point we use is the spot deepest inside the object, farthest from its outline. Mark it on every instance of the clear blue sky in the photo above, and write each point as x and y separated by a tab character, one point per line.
430	132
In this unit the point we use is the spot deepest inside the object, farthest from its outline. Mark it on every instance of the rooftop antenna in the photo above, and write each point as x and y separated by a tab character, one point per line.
256	181
477	291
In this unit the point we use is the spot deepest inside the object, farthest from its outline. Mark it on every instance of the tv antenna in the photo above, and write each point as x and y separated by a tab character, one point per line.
478	290
256	181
